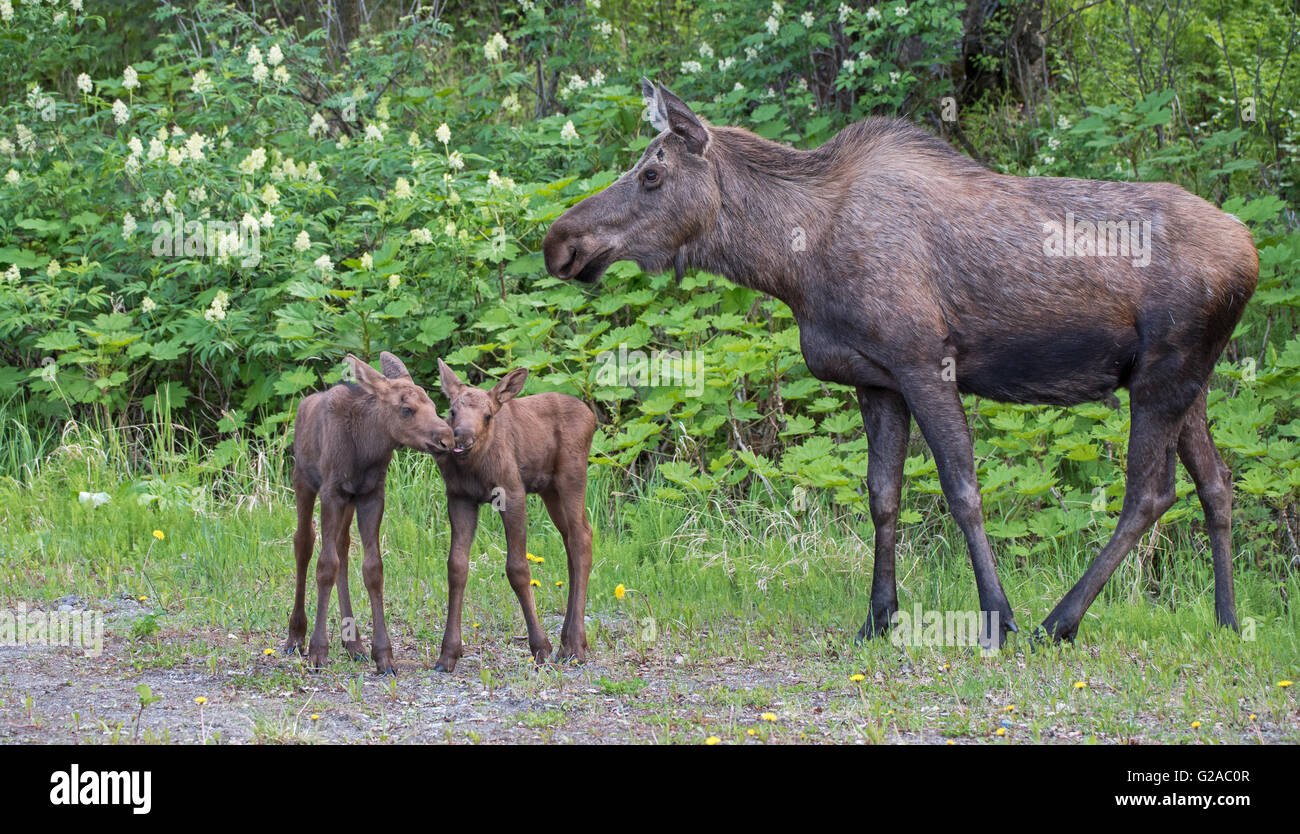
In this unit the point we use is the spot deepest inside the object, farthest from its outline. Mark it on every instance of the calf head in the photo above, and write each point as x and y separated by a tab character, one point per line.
404	411
652	212
472	409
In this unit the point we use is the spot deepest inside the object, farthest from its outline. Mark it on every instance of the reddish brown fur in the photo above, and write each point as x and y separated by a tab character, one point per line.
901	260
343	441
504	449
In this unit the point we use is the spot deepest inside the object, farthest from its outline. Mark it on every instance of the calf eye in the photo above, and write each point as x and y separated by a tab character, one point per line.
406	412
651	178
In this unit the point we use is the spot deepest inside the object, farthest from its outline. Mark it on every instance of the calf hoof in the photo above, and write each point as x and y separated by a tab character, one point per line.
541	653
316	657
386	671
445	664
384	662
294	646
575	655
354	651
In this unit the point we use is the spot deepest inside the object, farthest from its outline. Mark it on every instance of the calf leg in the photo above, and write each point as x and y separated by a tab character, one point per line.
1148	493
463	515
888	423
349	630
304	541
1214	487
332	511
939	413
569	512
370	512
515	516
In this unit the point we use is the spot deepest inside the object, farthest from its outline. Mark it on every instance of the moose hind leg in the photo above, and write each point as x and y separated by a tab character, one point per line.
304	541
888	423
1214	487
1148	493
349	630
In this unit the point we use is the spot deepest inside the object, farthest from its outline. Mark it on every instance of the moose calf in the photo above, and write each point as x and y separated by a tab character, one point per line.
343	441
503	449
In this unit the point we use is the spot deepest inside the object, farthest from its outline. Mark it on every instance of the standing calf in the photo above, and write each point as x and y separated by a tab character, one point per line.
343	441
917	275
503	449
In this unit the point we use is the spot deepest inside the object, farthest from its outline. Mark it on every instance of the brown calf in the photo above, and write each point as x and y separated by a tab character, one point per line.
503	449
917	275
343	441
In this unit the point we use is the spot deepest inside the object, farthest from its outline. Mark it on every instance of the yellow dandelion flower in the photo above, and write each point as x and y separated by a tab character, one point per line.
1011	707
476	625
858	677
558	584
1252	716
530	557
768	716
751	732
950	741
619	591
159	535
1196	724
535	583
1080	684
315	716
141	599
1001	731
268	652
1284	684
200	700
712	740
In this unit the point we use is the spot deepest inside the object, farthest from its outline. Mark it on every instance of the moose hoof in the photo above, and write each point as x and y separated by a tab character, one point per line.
875	626
355	652
293	647
571	656
316	658
1054	631
445	664
386	671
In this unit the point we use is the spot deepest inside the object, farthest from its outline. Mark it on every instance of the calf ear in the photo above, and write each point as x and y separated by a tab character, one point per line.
683	121
366	376
655	113
393	367
451	384
510	385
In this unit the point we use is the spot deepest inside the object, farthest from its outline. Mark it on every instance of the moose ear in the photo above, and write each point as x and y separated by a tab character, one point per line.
393	367
655	113
683	121
510	385
366	376
451	384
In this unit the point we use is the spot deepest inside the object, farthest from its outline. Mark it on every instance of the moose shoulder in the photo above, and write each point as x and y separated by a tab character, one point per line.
916	275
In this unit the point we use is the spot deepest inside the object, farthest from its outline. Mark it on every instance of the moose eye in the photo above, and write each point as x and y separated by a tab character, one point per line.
406	412
487	419
452	414
651	178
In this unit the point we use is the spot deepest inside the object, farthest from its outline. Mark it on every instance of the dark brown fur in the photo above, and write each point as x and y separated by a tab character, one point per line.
920	275
343	441
505	449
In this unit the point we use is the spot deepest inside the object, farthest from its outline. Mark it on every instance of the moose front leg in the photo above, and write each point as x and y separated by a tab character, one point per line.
370	512
349	631
888	423
463	515
515	516
938	411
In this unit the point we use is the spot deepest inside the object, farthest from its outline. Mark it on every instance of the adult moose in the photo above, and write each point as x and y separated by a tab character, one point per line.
917	275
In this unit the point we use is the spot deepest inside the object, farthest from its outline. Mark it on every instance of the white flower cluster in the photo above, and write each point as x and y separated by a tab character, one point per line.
495	47
217	311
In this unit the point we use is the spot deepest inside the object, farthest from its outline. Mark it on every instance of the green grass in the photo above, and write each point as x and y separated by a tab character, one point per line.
735	584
